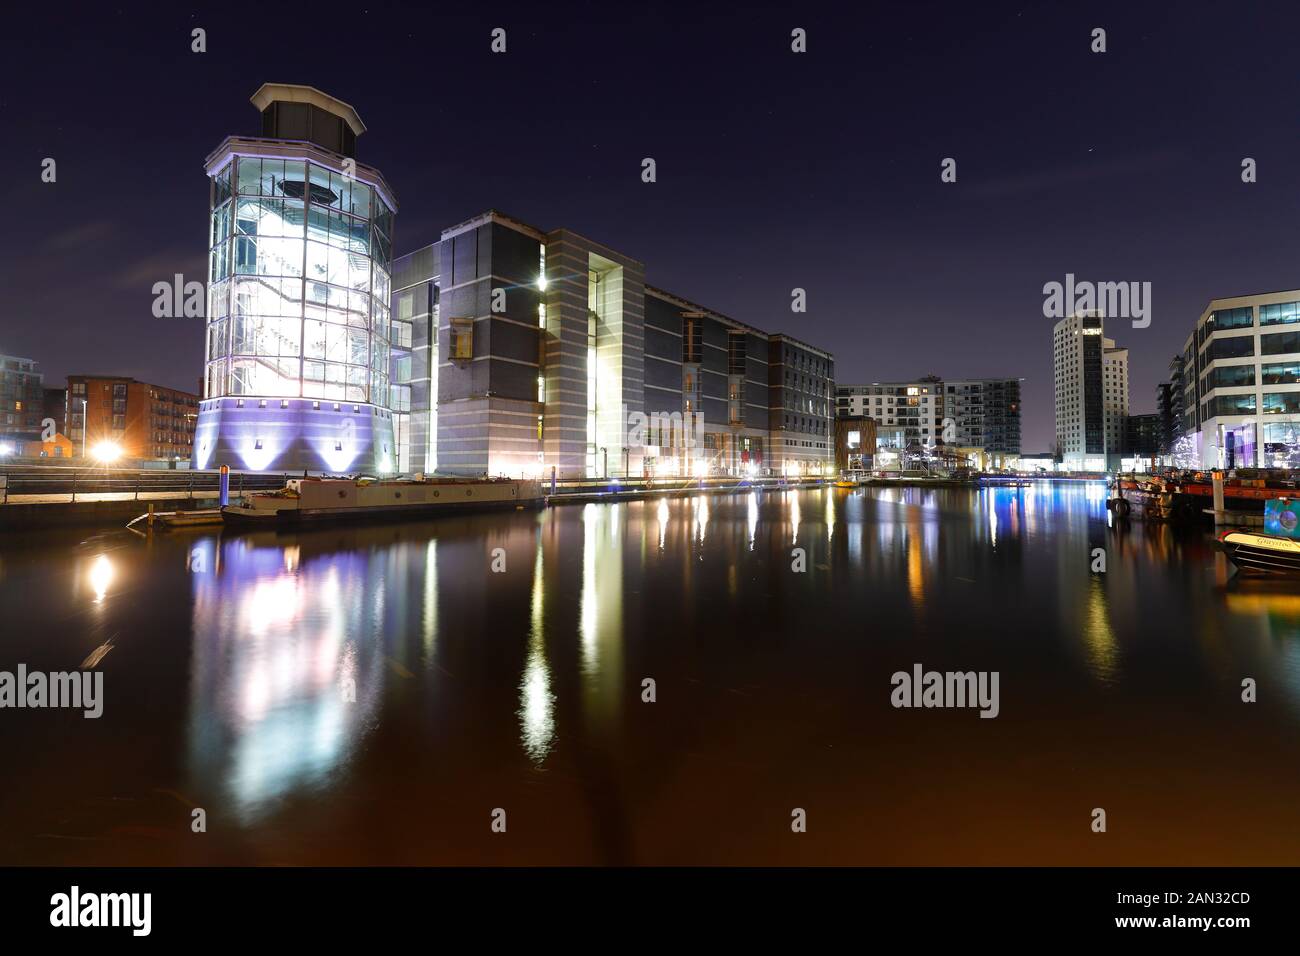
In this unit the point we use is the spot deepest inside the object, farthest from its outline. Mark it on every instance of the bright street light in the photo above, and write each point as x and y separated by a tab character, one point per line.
107	451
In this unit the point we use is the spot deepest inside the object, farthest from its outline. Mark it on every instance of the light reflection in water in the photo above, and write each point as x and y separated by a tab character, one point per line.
286	669
101	577
536	701
793	500
752	518
601	616
1098	636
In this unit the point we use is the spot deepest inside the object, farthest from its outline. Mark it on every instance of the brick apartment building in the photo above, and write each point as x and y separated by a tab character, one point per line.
144	421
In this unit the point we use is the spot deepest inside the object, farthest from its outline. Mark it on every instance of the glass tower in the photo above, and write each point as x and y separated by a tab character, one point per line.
298	345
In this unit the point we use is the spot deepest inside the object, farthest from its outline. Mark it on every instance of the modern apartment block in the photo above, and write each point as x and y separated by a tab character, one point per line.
962	413
22	397
905	412
143	421
1241	383
532	350
298	356
1090	375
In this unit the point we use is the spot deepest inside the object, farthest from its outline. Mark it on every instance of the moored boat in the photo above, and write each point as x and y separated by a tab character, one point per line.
311	500
1277	550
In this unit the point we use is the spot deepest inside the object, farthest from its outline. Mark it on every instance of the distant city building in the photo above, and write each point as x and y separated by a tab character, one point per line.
1142	436
142	421
300	247
1090	376
1241	394
22	399
532	350
914	408
979	414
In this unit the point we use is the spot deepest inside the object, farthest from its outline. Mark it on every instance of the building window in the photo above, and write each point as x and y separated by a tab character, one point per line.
462	338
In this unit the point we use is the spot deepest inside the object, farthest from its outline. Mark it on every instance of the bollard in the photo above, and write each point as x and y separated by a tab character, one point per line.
151	514
223	496
1219	516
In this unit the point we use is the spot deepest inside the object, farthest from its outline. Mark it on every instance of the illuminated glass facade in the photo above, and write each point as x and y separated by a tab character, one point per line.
298	283
1242	392
298	320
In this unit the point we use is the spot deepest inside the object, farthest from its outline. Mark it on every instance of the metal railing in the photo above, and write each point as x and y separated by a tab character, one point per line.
52	484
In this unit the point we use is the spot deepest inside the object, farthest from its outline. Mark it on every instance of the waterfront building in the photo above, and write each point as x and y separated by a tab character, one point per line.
297	369
1242	383
855	443
500	349
801	382
978	415
22	400
532	350
1090	376
914	408
1169	397
133	420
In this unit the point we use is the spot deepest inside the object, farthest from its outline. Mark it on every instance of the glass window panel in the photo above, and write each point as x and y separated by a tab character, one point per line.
221	183
359	272
313	339
320	186
1281	373
1230	376
358	346
358	235
360	199
1280	313
290	341
336	343
295	173
1280	343
1281	403
272	176
342	187
250	171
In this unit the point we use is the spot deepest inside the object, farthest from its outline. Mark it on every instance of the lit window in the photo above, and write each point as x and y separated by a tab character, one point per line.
462	338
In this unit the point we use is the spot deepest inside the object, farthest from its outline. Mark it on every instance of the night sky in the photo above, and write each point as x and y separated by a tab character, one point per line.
775	170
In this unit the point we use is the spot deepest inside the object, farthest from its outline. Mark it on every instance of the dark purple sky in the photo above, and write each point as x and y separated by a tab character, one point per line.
775	170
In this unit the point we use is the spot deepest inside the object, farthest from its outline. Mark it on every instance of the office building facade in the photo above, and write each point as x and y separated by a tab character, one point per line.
1090	376
298	356
1241	371
536	351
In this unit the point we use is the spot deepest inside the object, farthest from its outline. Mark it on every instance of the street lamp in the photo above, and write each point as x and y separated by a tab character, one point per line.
84	426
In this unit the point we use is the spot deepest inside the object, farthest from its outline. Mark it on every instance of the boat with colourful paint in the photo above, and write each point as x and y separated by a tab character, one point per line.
1276	550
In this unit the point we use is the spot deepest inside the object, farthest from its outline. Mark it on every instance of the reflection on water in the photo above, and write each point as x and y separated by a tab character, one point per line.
286	666
368	674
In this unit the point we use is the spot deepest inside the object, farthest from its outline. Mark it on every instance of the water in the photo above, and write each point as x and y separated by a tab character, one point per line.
231	655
